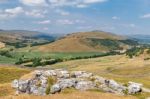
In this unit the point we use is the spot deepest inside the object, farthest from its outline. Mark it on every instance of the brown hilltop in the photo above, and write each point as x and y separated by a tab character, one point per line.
81	42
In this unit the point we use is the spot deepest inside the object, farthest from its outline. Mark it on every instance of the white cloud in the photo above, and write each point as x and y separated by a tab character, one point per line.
11	12
17	11
84	27
146	16
44	22
115	18
79	21
14	11
132	25
94	1
61	12
81	6
69	22
65	21
36	13
61	3
34	2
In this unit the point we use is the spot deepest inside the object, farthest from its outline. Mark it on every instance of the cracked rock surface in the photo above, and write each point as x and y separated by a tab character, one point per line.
54	81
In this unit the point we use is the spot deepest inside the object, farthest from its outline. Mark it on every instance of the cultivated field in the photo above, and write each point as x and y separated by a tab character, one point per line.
15	55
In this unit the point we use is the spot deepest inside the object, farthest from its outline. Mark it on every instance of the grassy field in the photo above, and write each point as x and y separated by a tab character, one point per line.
7	60
30	55
8	74
117	67
74	95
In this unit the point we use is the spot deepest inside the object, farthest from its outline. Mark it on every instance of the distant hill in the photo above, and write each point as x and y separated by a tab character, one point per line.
144	39
94	41
23	38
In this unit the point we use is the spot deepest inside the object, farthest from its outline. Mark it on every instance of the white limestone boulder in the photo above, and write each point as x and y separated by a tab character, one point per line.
134	88
85	85
50	73
15	84
63	74
81	74
55	89
66	83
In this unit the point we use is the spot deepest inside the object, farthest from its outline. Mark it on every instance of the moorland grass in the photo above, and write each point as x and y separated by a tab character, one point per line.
7	74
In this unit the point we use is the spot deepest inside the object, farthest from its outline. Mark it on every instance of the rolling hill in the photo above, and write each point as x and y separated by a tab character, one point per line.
142	38
94	41
23	38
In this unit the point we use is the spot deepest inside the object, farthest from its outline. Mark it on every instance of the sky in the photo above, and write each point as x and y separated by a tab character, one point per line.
67	16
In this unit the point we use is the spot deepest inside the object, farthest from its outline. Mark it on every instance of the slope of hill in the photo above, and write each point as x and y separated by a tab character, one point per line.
23	38
95	41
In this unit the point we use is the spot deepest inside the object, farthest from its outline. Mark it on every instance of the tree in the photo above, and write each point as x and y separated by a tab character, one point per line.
36	62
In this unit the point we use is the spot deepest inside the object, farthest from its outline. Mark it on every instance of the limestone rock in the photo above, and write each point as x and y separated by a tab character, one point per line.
115	86
41	91
80	80
98	79
23	85
134	88
63	74
105	88
50	73
34	90
38	73
15	84
81	74
55	88
66	83
85	85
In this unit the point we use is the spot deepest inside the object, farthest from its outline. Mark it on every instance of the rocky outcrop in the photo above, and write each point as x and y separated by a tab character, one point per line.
134	88
53	81
85	85
55	88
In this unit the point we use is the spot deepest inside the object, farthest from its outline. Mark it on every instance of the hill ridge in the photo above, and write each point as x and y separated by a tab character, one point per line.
85	42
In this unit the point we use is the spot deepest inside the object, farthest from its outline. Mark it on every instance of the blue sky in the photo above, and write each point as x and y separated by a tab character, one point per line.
67	16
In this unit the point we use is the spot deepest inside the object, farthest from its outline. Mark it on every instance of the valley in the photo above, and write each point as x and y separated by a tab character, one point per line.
74	49
104	54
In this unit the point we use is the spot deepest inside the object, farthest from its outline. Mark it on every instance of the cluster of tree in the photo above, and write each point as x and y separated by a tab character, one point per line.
130	42
42	43
17	44
112	44
38	62
5	53
135	51
21	60
48	61
148	51
25	43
